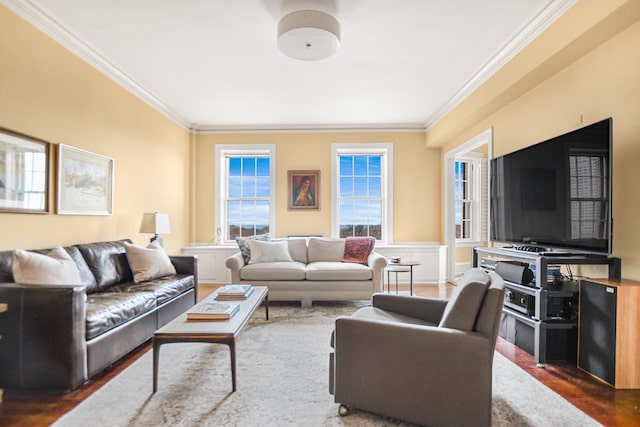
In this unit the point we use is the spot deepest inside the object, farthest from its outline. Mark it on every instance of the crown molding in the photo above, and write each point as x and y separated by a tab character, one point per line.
317	128
533	29
48	25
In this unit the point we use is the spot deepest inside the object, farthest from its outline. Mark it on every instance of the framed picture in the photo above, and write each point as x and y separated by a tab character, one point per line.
304	189
24	173
85	182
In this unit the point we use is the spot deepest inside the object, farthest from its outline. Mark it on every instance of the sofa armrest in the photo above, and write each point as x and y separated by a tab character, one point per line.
429	309
235	263
185	264
377	263
43	343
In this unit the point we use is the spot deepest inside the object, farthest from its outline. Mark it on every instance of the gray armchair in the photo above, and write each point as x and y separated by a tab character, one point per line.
424	360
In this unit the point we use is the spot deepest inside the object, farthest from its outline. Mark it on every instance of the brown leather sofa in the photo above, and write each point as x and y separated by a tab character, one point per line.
424	360
57	337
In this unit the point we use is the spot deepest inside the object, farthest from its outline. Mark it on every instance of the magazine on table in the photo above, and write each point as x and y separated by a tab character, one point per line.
212	311
234	291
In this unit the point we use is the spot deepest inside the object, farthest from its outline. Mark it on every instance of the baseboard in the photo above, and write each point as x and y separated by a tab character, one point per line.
461	268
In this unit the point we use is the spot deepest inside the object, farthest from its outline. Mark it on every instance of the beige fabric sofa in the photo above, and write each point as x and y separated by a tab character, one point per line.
317	273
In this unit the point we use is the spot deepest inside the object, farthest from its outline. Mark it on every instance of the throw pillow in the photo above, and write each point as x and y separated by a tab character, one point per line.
55	268
148	263
462	309
269	251
325	249
358	249
244	249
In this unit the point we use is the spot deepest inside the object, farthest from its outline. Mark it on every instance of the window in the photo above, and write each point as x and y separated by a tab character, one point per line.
589	183
361	190
469	197
245	188
463	198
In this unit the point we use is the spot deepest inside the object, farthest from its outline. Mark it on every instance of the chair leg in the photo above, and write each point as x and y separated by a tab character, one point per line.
343	410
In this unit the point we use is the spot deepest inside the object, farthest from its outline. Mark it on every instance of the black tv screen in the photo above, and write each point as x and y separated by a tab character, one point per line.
555	194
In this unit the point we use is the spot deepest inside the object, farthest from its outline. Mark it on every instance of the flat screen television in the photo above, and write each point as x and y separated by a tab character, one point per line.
555	196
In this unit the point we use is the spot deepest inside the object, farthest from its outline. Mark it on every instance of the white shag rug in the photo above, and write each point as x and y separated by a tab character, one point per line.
282	378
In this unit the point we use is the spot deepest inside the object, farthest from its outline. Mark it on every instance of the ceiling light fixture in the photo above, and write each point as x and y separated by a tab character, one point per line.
309	35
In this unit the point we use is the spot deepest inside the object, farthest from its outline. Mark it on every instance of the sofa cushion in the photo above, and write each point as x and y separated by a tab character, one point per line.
85	272
148	263
323	249
163	288
55	268
297	248
268	252
338	271
244	249
108	263
463	306
106	310
374	313
358	249
273	271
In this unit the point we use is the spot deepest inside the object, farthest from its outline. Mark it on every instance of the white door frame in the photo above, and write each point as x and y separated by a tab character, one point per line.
485	137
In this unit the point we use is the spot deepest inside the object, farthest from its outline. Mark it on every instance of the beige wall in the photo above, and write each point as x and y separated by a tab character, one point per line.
603	81
416	209
49	93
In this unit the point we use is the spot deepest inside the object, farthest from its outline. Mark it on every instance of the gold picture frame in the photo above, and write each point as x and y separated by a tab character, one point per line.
303	189
24	173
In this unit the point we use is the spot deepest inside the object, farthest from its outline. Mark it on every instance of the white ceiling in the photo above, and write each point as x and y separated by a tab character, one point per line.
214	65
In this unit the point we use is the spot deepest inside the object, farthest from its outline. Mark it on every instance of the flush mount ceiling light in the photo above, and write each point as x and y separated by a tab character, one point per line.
309	35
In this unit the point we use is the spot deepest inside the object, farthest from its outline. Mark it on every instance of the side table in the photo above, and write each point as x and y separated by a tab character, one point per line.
400	267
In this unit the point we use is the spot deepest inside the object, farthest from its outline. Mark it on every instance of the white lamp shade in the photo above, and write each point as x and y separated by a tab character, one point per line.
308	35
155	223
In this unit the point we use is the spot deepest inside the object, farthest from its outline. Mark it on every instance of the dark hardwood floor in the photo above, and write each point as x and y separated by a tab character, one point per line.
608	406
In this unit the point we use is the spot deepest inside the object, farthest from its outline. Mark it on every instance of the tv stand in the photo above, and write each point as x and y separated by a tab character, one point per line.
537	328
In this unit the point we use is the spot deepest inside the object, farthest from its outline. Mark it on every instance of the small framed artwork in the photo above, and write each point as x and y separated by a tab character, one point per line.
24	173
304	189
85	182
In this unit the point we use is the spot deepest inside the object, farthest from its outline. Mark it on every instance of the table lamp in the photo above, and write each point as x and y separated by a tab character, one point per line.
155	223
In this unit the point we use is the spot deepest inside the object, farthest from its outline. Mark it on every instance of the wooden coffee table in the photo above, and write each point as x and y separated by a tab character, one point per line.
216	331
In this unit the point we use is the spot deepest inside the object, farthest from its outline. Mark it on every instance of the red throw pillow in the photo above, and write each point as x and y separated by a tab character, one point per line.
358	249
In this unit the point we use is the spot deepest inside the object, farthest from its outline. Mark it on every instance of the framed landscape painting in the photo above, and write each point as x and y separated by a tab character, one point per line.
24	173
304	189
85	182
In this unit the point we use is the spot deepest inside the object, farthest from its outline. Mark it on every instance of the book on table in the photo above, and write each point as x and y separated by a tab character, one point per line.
212	311
234	292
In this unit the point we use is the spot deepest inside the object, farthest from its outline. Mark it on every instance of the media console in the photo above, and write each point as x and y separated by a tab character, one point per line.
540	317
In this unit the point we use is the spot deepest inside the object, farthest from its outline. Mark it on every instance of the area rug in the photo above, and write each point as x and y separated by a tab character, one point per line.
282	381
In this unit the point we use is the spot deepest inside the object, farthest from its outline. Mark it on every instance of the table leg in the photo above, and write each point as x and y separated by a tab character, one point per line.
411	280
232	351
156	355
266	305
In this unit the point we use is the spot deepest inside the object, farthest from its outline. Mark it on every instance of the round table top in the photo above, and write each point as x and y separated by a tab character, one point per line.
407	263
397	268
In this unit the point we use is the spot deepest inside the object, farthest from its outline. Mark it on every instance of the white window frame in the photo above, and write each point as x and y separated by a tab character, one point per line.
479	140
375	148
222	151
476	183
